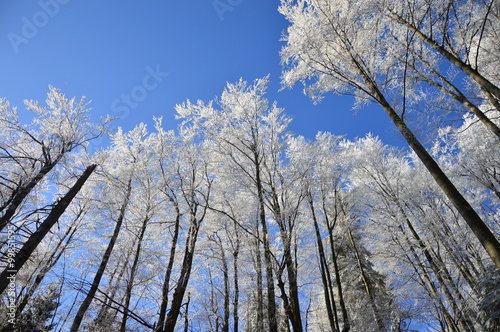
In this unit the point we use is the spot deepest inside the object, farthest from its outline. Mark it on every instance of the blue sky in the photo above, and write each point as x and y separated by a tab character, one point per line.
136	60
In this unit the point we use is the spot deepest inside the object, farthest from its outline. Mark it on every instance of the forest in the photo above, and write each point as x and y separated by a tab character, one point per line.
232	222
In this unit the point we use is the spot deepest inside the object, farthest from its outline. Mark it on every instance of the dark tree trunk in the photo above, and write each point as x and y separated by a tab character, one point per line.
133	270
180	289
325	275
104	262
34	240
236	298
473	220
271	295
367	284
343	308
23	191
168	273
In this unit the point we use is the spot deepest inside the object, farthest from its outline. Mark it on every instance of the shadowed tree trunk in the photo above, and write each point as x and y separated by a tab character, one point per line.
133	271
367	284
23	191
34	240
271	295
168	273
104	262
185	273
325	275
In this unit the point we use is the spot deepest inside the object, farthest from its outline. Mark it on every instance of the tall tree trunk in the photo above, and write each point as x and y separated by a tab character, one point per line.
34	240
284	296
236	285
473	220
23	191
186	314
168	273
225	325
260	283
226	293
104	262
431	289
325	275
271	297
441	273
366	282
133	270
113	288
343	308
293	311
483	82
185	273
49	264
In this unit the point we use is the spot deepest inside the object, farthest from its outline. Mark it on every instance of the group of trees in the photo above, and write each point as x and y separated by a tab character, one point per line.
232	223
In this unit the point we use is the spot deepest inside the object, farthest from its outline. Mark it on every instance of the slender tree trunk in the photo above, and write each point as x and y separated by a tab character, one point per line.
284	296
34	240
293	306
226	295
271	297
168	273
104	262
183	280
50	263
368	286
473	220
483	82
260	287
343	308
329	301
186	315
461	261
23	191
111	291
441	273
236	285
425	279
133	270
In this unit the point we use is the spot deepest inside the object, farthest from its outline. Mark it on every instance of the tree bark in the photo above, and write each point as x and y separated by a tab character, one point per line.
166	281
133	270
293	306
24	191
346	323
271	295
473	220
104	262
483	82
236	298
34	240
183	280
368	285
325	275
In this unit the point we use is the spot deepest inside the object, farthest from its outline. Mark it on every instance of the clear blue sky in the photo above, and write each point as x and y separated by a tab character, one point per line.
159	53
